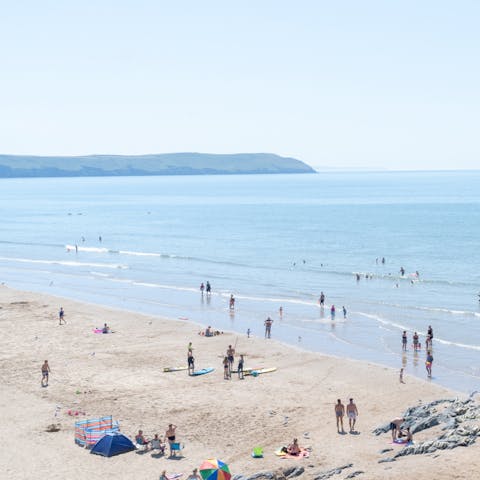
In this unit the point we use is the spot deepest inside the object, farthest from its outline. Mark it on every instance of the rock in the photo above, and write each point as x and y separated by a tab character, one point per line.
293	472
385	450
267	475
382	429
333	471
54	427
427	422
354	474
386	460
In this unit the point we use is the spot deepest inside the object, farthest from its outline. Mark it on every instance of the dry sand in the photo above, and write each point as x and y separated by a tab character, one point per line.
122	374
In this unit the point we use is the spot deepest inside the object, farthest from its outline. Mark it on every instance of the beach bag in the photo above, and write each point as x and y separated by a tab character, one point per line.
257	452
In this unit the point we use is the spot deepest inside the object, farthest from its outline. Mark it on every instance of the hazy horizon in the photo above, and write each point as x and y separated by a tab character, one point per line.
370	85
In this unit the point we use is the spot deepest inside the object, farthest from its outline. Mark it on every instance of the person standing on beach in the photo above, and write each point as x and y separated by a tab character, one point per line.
268	327
208	288
248	332
401	376
45	373
352	414
61	317
240	368
202	288
226	369
170	435
190	362
339	413
404	341
332	312
344	312
428	364
280	312
383	260
232	302
231	358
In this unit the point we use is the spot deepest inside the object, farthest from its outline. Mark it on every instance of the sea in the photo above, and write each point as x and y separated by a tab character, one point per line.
147	243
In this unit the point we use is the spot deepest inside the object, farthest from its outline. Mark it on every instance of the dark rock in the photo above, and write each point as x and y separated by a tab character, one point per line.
382	429
386	460
385	450
333	471
354	474
293	472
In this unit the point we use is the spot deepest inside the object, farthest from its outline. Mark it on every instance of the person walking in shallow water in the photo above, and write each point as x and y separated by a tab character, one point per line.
404	341
428	364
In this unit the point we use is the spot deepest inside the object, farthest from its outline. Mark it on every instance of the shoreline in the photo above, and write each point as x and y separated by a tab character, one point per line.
122	374
443	377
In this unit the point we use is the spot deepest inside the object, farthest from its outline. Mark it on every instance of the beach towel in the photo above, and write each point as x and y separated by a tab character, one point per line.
304	453
401	442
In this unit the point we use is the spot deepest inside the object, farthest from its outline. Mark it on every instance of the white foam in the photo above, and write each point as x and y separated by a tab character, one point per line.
64	263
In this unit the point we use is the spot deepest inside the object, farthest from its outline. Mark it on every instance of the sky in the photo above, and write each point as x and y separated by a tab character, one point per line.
344	84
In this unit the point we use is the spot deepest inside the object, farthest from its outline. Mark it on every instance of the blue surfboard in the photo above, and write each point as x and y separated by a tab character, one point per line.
203	371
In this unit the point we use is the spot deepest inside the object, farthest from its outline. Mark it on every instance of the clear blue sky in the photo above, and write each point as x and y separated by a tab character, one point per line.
388	84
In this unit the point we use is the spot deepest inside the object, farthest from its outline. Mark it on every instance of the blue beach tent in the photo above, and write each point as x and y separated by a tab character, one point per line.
113	444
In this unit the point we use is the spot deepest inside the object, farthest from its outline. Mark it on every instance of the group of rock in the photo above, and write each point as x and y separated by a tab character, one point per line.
458	419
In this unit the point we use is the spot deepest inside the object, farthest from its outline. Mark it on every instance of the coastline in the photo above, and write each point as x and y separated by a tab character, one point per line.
122	375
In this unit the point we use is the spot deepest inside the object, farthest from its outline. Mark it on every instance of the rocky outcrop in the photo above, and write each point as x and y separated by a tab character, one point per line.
459	420
293	472
330	473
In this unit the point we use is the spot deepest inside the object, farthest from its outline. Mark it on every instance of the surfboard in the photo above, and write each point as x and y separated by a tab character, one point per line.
174	369
246	371
203	371
261	370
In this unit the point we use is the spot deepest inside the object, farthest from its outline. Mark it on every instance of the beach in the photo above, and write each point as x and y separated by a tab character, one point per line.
121	374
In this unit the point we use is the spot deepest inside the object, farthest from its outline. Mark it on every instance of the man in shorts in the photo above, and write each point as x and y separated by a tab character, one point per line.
339	413
404	341
231	357
395	425
45	373
61	316
268	327
190	362
352	414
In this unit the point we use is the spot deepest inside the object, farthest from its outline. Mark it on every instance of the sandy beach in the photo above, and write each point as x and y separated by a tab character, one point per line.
121	374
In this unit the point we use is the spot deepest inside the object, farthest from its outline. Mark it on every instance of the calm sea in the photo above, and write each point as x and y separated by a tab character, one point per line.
271	240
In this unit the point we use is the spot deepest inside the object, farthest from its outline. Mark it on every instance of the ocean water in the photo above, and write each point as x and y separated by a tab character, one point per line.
271	240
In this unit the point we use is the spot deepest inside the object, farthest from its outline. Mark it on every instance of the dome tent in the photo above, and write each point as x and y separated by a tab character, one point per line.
113	444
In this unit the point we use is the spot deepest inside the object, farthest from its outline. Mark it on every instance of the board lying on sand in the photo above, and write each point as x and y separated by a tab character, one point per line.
203	371
254	373
247	371
174	369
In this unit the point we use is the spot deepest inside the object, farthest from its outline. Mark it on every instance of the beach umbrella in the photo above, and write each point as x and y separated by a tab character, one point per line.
213	469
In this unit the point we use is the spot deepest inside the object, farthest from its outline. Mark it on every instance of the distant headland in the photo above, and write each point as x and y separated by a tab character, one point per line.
20	166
